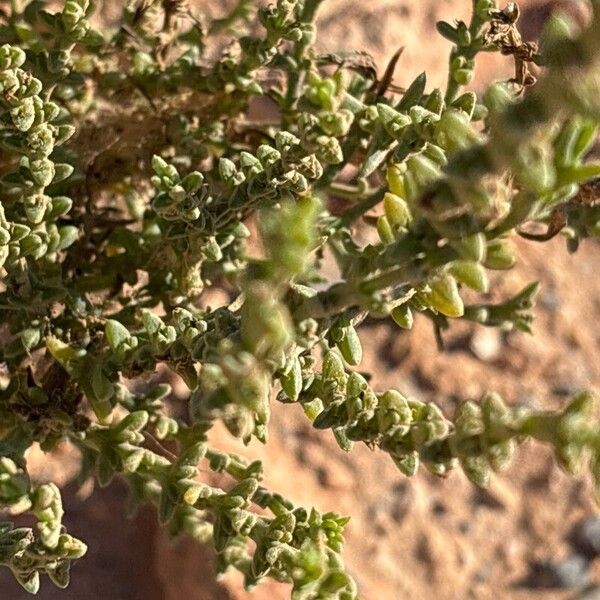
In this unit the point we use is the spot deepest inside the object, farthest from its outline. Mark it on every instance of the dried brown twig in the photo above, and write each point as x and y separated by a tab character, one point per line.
503	33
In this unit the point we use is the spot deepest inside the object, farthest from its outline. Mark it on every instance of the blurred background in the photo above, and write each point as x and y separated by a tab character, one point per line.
534	534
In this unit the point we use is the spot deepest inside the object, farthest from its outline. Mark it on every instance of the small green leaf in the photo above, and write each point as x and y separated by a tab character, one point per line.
116	334
448	31
350	346
413	94
403	316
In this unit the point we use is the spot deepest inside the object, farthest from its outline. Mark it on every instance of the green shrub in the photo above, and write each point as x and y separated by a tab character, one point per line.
133	182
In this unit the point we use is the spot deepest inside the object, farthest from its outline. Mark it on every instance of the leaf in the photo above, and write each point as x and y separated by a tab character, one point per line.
403	316
68	236
104	471
448	31
61	205
133	422
291	383
375	159
166	506
343	442
444	296
61	172
579	174
62	352
472	274
116	334
388	75
131	463
333	368
103	388
30	338
350	346
413	94
23	115
30	581
99	391
588	135
60	574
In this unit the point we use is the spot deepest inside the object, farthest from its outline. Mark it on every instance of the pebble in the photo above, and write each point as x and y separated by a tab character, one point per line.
586	537
572	572
569	573
549	298
486	344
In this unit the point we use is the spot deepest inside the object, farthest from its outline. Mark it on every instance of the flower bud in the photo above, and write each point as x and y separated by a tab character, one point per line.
267	155
329	149
454	131
42	171
250	164
497	97
472	247
229	173
444	296
396	210
395	180
463	76
472	274
483	8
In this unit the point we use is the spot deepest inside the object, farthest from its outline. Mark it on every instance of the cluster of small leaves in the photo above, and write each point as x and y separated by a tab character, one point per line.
293	545
481	438
27	556
133	183
28	220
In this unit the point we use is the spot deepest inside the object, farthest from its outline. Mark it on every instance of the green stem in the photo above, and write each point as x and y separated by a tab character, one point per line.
468	52
344	190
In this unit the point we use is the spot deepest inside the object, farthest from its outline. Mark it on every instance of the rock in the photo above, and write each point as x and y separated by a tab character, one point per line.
549	299
486	344
569	573
586	537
